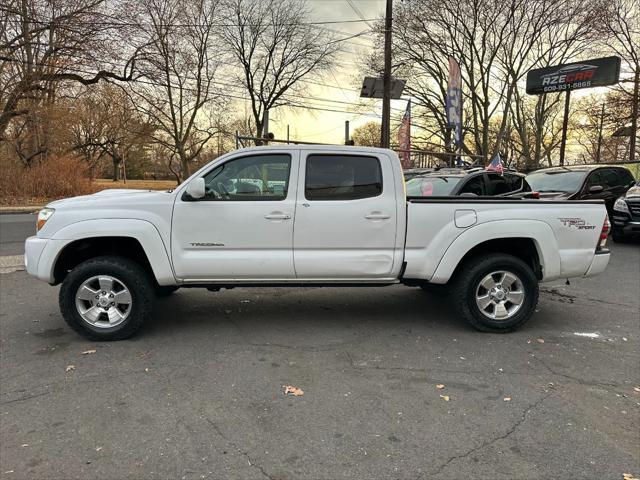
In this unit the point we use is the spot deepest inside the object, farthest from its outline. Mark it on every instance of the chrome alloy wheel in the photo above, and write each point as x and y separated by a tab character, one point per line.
103	301
500	295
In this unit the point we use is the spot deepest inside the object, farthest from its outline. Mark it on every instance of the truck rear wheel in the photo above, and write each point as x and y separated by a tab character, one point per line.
496	293
106	298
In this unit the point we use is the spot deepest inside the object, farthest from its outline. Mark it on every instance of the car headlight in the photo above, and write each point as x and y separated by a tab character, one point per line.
43	216
621	206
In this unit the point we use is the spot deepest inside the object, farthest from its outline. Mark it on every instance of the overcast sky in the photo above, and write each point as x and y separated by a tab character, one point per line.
328	127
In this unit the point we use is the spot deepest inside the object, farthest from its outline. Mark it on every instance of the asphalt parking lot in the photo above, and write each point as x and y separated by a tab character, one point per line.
198	393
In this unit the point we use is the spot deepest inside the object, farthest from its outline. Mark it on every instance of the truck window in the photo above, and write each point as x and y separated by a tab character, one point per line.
475	186
626	177
342	177
498	184
251	178
611	179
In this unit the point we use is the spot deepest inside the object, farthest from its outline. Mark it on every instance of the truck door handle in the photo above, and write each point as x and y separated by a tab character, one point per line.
278	216
377	216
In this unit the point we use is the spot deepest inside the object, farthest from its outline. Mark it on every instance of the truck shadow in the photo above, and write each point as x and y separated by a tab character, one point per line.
270	313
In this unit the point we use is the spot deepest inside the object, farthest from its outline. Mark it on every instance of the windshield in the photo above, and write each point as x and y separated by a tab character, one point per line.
556	181
431	186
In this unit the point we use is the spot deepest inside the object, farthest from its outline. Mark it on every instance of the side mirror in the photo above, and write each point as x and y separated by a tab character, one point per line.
196	189
596	189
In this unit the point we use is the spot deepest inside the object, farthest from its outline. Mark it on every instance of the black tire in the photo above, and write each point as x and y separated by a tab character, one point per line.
165	291
132	274
468	279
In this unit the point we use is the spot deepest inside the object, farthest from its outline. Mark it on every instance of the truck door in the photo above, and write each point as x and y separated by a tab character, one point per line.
243	227
346	218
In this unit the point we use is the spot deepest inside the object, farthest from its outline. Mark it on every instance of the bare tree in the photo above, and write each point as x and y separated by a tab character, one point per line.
46	44
496	43
596	119
180	64
107	124
367	135
274	48
621	26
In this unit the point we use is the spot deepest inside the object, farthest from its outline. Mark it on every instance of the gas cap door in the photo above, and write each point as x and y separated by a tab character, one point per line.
465	218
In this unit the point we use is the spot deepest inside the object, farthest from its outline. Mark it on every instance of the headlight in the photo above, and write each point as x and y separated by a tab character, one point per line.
43	216
621	206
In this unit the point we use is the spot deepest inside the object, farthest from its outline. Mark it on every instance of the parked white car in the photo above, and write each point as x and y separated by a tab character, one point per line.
307	215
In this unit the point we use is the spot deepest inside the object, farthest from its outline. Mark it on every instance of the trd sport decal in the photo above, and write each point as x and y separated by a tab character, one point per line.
578	223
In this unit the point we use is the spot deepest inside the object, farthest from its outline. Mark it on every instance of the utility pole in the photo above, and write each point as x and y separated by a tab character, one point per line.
565	124
346	132
600	128
265	126
386	79
634	114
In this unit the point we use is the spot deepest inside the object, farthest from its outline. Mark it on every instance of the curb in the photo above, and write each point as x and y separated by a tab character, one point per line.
11	263
20	209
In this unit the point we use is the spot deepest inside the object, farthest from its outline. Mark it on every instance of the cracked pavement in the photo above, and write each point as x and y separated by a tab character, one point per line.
198	393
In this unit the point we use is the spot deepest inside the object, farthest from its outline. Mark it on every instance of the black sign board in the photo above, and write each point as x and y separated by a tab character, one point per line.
572	76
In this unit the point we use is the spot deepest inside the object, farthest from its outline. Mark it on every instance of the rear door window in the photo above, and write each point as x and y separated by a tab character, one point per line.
497	185
626	177
611	178
594	179
342	177
475	186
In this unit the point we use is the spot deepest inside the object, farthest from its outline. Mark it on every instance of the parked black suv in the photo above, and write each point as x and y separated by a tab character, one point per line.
582	182
625	221
452	182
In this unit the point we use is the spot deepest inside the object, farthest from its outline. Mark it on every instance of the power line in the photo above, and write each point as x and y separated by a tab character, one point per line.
290	103
177	25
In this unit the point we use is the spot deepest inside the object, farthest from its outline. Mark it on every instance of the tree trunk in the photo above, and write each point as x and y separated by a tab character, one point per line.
116	168
185	170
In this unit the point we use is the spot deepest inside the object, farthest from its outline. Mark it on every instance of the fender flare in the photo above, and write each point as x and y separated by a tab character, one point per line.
536	230
141	230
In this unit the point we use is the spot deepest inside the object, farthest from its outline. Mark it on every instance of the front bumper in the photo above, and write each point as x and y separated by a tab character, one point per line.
40	255
599	262
628	229
33	248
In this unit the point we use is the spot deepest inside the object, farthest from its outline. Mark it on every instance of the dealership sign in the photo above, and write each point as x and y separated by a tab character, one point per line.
598	72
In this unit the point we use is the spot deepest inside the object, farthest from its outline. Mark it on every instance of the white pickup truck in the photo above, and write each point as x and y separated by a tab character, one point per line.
307	215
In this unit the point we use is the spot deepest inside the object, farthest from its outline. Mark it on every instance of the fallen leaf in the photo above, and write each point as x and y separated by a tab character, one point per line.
507	399
295	391
70	368
540	340
88	352
445	397
440	386
628	476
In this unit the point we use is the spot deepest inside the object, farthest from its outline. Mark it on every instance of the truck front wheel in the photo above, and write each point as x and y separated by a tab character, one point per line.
106	298
496	292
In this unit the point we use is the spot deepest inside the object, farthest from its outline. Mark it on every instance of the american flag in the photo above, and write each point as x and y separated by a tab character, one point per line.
404	137
496	164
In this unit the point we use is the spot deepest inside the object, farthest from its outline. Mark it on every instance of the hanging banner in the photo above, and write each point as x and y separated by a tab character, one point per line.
454	101
404	137
598	72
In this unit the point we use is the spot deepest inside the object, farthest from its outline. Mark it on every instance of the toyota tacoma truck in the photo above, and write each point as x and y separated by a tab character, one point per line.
307	216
